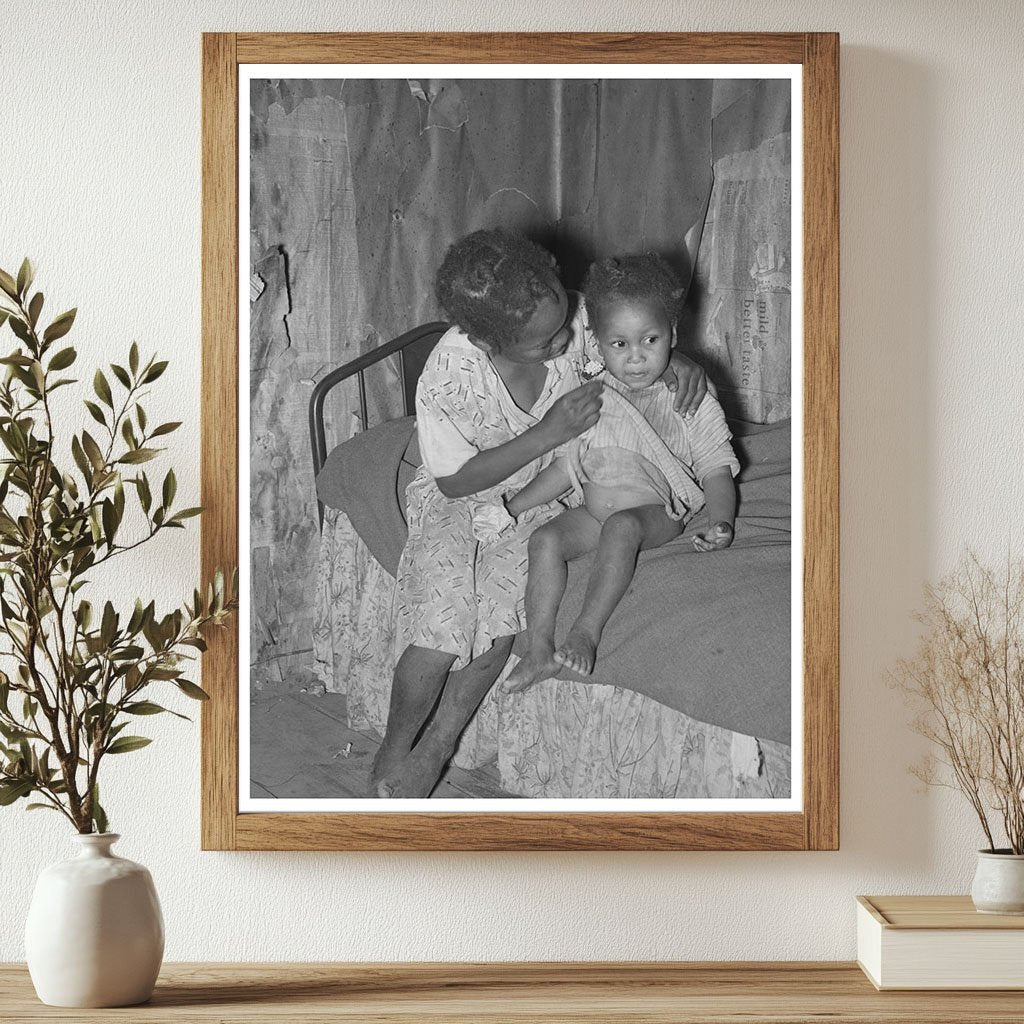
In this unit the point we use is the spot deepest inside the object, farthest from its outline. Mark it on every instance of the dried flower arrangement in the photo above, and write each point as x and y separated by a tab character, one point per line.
967	679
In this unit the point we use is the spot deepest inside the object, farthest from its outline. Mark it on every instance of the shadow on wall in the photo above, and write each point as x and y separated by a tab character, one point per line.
887	382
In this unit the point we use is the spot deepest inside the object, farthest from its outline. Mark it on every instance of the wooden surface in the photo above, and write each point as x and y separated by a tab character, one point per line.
821	441
219	431
521	47
794	993
936	913
817	827
537	831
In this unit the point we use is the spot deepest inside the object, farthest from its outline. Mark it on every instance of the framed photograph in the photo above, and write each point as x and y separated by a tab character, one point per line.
488	603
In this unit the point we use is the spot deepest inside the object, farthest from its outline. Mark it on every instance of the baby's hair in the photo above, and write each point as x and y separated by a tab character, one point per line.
630	278
490	283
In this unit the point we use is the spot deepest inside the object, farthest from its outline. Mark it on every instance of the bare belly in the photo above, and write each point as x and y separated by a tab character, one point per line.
603	500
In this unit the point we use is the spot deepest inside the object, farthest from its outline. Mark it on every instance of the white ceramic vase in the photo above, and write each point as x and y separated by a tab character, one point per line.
95	934
999	882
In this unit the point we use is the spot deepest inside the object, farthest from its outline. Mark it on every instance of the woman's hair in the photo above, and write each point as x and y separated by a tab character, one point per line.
490	283
633	277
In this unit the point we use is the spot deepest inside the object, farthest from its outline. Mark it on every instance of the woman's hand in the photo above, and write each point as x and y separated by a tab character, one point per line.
567	418
687	381
573	413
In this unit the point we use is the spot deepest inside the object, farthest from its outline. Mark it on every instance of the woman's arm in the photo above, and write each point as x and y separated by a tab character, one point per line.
547	485
567	418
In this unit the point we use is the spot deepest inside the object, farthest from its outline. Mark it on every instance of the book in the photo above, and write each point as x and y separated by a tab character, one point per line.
938	942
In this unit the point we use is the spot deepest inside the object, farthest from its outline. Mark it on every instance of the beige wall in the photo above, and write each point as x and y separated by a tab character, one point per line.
100	184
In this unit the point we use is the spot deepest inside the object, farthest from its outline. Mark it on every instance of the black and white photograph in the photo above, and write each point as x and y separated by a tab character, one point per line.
523	428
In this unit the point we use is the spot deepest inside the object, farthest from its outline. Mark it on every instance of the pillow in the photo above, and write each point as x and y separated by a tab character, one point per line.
365	477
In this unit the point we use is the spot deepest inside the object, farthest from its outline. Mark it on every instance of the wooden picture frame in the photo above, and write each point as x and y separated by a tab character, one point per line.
816	826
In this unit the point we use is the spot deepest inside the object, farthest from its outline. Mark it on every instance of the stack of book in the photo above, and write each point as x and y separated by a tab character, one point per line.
937	942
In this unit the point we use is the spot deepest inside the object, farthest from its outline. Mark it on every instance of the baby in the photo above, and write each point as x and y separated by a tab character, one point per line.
642	472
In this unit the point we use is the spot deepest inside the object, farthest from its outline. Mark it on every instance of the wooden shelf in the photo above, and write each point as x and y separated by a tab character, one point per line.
659	993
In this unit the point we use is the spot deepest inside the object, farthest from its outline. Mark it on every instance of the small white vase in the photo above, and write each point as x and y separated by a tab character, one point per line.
95	934
999	882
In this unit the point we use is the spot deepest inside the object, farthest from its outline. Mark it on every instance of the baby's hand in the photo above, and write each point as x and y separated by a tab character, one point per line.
720	536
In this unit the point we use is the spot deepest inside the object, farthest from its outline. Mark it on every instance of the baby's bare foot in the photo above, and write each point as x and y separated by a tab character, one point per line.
537	665
577	653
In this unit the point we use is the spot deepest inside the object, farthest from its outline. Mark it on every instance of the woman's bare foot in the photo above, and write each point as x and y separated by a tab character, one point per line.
416	777
577	652
387	761
384	788
537	665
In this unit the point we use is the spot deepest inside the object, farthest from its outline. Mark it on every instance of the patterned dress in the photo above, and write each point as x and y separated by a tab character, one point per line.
456	593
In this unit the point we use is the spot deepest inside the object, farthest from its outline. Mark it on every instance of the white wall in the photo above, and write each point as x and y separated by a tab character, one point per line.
100	183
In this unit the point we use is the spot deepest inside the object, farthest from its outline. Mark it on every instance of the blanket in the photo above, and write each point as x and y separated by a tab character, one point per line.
705	634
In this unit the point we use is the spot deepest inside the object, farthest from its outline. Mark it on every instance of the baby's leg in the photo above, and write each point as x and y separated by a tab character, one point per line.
623	536
551	546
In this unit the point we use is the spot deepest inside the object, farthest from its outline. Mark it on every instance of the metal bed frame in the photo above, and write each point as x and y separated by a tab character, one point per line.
412	348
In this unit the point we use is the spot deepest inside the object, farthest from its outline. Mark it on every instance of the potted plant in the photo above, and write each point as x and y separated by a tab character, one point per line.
82	671
967	680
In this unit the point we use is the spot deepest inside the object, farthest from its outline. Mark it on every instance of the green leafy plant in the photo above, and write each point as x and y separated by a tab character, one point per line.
80	673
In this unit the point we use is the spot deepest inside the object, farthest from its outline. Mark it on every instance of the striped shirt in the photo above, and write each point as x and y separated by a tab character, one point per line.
675	454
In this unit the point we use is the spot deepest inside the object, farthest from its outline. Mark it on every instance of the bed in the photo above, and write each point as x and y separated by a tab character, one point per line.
691	696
